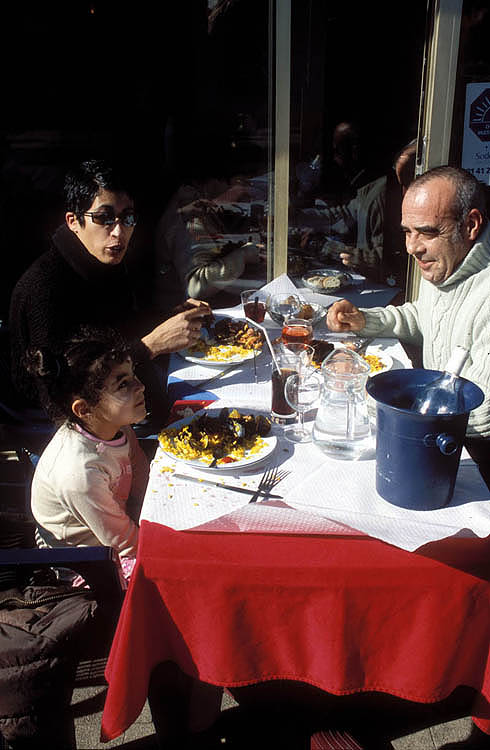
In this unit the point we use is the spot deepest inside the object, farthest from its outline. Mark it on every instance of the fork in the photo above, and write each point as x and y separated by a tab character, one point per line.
269	479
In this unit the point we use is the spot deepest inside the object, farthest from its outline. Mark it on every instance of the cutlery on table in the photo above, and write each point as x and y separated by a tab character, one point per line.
269	479
215	377
360	348
231	487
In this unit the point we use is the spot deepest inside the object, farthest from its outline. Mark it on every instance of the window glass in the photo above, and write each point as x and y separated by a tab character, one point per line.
356	77
221	155
470	137
182	94
178	93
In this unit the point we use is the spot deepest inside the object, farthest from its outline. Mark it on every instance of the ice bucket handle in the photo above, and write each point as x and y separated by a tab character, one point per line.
446	443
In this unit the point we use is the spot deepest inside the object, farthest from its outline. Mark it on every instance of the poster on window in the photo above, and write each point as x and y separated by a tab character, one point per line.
476	137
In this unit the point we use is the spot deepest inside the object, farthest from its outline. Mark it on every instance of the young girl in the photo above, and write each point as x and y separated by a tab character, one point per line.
90	480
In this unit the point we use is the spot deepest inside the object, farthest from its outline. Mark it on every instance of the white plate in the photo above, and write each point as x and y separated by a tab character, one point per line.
345	280
198	358
386	360
236	359
270	443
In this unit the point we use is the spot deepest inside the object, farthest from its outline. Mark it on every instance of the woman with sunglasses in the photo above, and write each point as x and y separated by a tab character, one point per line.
83	279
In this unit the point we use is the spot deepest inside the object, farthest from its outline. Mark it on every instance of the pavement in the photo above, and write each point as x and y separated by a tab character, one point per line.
88	703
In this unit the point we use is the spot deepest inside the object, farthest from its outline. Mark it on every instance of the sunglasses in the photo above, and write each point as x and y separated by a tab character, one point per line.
109	218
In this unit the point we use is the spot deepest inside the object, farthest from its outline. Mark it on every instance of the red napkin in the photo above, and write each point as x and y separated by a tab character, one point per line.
178	410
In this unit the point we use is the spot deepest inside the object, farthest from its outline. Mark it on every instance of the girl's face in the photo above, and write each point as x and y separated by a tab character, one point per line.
122	403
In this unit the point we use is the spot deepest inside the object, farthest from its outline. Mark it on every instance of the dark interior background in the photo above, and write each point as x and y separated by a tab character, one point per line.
174	93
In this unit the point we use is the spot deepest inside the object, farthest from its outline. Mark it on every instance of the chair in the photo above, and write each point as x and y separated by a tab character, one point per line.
21	425
16	471
57	641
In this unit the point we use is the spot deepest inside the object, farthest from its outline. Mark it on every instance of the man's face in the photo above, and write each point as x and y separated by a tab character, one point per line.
432	234
106	243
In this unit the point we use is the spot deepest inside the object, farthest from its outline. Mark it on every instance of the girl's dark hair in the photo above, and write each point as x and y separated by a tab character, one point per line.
77	368
84	183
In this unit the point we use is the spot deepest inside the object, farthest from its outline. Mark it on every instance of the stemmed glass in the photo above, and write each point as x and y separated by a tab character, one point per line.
301	390
254	309
282	306
297	330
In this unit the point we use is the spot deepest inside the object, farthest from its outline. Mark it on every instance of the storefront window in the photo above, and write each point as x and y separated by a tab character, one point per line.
470	142
186	95
222	164
356	78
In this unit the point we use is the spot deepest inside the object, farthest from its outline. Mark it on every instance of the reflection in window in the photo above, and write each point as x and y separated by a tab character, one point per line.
211	236
354	103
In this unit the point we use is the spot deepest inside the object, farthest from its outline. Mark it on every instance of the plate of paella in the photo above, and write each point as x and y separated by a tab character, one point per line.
227	438
230	341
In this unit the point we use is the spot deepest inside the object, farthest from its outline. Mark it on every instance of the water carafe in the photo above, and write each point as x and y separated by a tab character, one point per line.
342	428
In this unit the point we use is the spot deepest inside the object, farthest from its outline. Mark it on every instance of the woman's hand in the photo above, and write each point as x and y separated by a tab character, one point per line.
344	316
178	332
193	304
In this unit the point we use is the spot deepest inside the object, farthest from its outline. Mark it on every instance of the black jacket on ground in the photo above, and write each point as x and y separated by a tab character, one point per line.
44	629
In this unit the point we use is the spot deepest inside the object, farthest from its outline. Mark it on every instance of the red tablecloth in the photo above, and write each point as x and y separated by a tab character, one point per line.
346	615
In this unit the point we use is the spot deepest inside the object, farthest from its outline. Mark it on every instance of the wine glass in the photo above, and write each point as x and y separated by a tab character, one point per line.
281	306
301	390
297	330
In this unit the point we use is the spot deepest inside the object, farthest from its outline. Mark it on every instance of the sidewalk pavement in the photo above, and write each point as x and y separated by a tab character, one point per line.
88	703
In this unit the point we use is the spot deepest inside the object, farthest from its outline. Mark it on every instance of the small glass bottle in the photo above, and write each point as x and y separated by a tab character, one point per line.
444	395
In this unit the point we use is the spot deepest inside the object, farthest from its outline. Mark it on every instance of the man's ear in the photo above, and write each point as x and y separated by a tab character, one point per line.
80	409
474	222
72	221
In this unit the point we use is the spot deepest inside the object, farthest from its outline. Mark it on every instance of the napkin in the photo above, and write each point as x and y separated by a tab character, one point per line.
321	496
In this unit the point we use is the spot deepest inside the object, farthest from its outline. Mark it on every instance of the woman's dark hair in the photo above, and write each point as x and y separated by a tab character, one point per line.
83	184
78	368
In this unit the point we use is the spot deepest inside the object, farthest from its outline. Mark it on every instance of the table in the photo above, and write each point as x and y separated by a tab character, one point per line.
339	610
345	615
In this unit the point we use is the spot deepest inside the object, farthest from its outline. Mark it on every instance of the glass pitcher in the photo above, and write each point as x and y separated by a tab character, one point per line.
342	428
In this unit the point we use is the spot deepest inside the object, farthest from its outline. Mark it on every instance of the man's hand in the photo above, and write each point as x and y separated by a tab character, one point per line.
253	253
178	332
351	257
199	207
344	316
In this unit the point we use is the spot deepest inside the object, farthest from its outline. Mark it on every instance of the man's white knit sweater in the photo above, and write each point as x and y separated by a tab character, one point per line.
456	312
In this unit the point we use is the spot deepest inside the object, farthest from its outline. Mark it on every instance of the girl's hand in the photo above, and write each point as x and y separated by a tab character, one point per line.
344	316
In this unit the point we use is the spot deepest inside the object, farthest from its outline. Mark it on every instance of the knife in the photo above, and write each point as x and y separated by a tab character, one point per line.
215	377
232	487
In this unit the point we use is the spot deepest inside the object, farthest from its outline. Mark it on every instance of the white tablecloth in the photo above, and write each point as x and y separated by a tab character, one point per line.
238	383
319	492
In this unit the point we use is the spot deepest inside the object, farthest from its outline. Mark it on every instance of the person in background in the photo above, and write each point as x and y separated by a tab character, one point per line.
83	279
202	241
444	219
367	225
89	483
